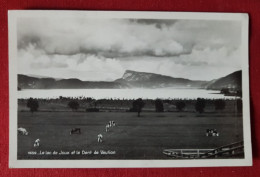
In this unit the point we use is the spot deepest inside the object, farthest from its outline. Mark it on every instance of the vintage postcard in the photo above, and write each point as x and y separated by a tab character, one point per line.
106	89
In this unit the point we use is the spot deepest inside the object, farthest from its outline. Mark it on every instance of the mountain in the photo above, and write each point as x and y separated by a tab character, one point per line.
233	80
131	79
135	79
27	82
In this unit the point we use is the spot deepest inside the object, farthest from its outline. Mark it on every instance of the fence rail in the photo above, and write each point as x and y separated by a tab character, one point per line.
231	150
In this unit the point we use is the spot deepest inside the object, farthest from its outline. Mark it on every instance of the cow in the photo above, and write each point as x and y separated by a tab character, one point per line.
22	131
212	132
113	123
100	137
36	143
75	131
107	127
110	124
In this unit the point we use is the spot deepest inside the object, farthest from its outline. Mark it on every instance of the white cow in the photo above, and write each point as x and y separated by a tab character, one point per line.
100	136
22	131
36	143
113	123
107	128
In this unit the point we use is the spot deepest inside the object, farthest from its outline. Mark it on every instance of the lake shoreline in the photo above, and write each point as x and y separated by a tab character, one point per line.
123	93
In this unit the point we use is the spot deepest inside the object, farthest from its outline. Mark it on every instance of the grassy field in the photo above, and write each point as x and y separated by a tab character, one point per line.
133	137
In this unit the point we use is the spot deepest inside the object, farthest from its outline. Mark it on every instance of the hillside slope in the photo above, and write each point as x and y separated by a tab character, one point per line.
233	80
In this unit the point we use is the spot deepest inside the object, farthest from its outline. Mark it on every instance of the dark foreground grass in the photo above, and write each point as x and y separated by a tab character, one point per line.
133	137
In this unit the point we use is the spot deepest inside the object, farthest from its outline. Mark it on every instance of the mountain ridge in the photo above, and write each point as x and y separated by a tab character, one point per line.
130	79
231	81
151	80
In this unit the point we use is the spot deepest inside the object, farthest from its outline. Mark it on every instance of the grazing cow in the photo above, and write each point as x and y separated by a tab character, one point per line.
75	131
22	131
36	143
100	138
107	128
113	123
212	132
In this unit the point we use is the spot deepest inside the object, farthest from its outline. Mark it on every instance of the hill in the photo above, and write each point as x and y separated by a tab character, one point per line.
232	81
150	80
27	82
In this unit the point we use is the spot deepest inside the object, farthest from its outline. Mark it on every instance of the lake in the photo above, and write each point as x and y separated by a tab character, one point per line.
163	93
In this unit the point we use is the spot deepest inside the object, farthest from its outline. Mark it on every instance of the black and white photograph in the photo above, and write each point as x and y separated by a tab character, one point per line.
128	89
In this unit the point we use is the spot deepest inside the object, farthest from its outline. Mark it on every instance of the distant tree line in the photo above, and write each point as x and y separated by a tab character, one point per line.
137	105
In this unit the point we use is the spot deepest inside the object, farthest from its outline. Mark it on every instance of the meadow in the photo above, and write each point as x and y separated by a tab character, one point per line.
133	137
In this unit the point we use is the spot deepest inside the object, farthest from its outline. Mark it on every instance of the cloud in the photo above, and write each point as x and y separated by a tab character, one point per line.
102	49
106	37
32	61
117	38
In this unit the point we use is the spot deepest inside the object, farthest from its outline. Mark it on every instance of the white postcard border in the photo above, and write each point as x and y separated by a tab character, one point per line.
12	29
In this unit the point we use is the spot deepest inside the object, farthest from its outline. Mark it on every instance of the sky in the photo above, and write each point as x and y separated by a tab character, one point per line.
103	49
